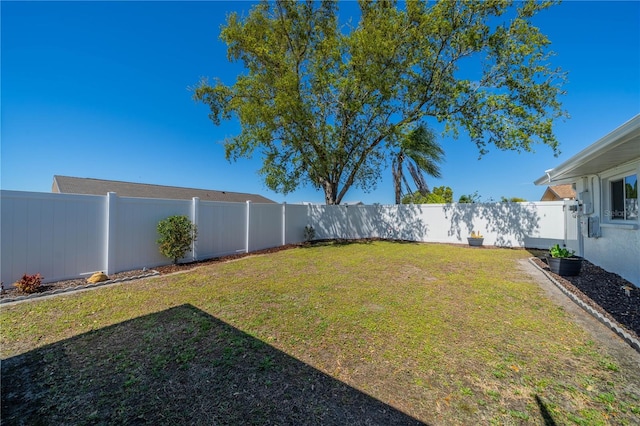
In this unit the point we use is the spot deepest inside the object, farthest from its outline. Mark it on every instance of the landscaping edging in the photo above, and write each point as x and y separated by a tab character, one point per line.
151	273
633	342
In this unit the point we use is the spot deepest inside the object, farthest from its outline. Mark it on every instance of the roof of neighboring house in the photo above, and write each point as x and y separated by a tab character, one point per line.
76	185
618	147
558	192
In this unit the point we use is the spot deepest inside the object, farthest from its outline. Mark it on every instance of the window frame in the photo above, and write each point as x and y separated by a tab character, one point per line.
609	192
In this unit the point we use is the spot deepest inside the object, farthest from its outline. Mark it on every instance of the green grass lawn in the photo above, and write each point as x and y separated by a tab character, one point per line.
329	334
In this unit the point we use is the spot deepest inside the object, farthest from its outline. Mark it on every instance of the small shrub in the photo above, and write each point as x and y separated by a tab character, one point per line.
29	283
309	233
177	233
557	251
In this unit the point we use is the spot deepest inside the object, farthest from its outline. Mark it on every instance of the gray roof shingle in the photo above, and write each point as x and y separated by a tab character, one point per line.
76	185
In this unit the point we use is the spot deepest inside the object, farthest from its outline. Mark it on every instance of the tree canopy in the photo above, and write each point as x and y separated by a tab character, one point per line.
469	198
504	199
323	102
439	195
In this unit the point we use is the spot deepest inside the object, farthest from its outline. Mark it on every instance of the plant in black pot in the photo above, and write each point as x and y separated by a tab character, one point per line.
563	262
476	239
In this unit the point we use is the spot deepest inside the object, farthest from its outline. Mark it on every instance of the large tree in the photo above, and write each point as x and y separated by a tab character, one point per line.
323	102
420	153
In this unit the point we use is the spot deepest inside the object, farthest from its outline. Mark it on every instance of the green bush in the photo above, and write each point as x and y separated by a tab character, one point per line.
177	233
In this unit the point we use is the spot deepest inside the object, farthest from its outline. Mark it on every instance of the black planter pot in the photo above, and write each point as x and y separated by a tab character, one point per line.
475	242
565	266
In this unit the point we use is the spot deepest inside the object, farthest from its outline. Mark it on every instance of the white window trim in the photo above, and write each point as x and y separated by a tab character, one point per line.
606	180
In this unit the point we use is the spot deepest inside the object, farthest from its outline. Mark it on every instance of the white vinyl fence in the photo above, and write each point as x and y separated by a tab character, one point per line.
532	225
64	236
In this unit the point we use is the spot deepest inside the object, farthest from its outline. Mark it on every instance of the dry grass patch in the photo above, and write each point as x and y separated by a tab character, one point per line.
378	332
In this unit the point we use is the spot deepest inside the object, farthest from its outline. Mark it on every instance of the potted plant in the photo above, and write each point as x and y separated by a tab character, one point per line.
476	239
563	262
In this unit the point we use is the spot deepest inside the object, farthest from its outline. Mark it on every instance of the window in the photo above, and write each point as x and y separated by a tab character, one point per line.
624	198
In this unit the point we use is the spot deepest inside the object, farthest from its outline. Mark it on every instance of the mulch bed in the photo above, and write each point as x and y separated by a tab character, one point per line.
606	292
49	288
11	294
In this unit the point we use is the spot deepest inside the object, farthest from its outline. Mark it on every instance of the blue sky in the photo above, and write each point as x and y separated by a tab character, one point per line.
100	89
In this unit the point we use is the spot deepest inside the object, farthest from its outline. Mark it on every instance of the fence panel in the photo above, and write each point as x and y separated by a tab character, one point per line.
329	221
297	217
136	230
526	224
221	229
551	227
57	235
359	222
265	226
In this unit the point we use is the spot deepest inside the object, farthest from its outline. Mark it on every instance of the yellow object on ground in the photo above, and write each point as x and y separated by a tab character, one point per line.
97	277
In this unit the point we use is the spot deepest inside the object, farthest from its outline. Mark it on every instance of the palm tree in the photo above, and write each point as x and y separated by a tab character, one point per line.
422	154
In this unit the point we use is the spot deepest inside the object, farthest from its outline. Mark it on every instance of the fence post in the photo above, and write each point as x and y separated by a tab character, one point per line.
284	223
195	208
111	224
248	220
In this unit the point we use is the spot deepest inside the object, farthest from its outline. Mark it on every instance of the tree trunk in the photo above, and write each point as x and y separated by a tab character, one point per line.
330	193
397	176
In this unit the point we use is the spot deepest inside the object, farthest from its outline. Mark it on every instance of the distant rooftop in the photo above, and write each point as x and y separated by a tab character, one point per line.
559	192
76	185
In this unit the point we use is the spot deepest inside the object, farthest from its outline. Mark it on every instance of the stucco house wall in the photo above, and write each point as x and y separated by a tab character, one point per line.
617	248
604	237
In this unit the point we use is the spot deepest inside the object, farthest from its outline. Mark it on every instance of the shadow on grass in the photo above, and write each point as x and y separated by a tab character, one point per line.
544	412
178	366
